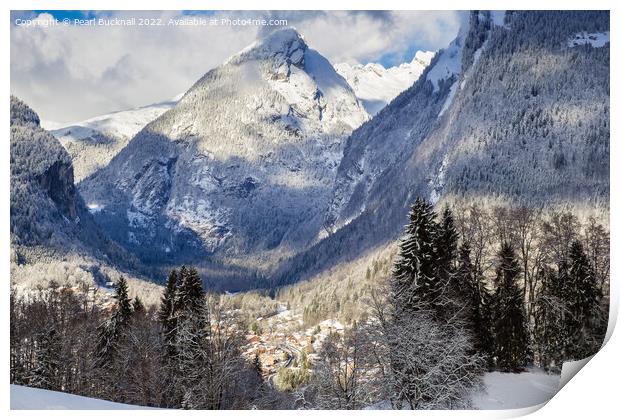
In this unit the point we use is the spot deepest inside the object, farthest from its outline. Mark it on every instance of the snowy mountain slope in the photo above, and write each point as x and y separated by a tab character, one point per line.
525	120
46	209
596	39
26	398
376	86
240	168
390	138
94	142
53	234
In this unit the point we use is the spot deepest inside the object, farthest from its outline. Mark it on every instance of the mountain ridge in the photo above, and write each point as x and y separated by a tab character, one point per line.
242	163
494	130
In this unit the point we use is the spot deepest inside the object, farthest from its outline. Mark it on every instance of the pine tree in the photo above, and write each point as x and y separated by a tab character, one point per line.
509	326
46	361
550	314
476	299
111	331
450	302
446	245
138	307
429	344
190	294
582	298
123	302
167	314
192	349
414	281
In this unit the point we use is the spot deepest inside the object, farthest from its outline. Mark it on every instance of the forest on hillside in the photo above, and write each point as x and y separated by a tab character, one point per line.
470	290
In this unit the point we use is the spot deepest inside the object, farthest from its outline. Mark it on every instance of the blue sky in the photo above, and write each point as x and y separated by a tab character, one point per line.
106	69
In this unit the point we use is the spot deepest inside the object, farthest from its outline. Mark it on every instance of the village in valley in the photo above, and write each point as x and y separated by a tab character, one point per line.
282	341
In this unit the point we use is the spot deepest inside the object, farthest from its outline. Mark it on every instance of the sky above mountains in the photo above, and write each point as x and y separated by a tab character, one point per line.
69	72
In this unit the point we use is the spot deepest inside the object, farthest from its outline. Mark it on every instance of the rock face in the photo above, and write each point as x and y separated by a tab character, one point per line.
46	209
511	110
375	86
241	168
42	190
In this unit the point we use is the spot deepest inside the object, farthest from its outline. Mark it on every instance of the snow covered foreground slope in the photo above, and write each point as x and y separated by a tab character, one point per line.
25	398
504	391
508	391
376	86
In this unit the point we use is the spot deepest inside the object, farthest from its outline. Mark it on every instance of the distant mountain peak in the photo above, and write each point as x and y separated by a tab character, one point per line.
241	168
376	85
283	45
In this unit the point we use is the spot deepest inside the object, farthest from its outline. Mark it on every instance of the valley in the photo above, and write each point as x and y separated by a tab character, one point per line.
292	233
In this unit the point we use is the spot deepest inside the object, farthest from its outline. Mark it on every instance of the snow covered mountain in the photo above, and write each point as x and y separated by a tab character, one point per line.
376	86
514	109
241	168
92	143
47	211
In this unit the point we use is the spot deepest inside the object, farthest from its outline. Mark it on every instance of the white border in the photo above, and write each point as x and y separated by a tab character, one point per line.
593	393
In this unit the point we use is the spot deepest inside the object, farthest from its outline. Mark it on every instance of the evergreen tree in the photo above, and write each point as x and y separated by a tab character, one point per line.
111	331
476	299
427	337
167	314
550	314
190	294
46	361
446	245
138	307
123	302
192	347
450	302
582	298
509	326
414	281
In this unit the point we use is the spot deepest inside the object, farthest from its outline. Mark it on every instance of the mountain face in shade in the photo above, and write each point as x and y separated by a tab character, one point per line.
46	209
514	110
241	168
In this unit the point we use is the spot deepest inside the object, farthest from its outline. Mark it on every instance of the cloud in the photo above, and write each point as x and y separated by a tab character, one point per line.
69	73
360	37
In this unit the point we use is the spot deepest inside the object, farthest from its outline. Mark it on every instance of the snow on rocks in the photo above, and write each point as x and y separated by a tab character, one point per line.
92	143
497	17
376	86
595	39
251	149
450	60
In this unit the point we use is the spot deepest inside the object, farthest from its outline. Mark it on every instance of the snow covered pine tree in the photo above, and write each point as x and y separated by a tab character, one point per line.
432	357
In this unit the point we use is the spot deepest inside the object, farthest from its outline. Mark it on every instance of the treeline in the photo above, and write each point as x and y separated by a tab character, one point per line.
460	302
559	267
184	354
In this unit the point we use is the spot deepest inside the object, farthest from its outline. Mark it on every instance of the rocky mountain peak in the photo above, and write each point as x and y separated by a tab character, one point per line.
283	46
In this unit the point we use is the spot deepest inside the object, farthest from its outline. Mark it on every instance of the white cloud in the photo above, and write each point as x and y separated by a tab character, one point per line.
68	73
